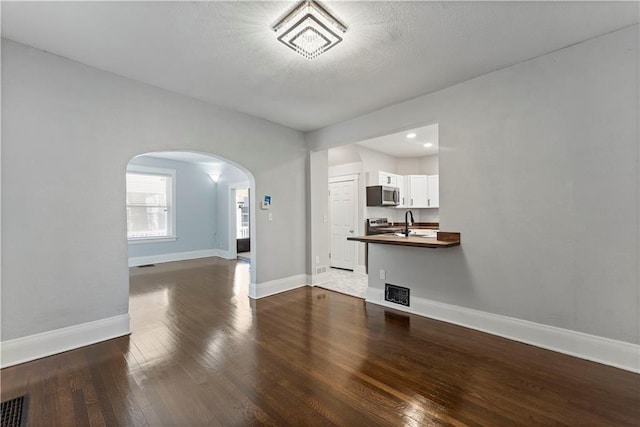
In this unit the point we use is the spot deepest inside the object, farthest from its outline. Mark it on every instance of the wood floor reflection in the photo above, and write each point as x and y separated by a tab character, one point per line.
202	353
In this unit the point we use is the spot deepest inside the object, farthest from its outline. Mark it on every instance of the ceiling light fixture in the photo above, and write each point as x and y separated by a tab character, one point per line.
411	135
309	30
428	144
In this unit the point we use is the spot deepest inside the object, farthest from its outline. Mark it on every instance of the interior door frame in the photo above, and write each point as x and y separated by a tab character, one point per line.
356	207
232	250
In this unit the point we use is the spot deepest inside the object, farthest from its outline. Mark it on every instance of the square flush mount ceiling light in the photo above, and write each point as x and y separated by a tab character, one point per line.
309	30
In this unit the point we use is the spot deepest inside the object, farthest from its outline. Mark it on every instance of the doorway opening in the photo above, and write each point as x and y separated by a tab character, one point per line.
243	220
180	208
407	160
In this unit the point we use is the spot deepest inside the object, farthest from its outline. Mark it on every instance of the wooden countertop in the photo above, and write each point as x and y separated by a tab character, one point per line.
444	240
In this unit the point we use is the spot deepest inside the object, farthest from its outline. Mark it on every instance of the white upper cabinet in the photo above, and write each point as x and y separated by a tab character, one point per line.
433	191
404	193
417	185
416	191
383	178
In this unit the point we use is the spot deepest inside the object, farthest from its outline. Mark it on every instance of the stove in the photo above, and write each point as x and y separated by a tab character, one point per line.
381	226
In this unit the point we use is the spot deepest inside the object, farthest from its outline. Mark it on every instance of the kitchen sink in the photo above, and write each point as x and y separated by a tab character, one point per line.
420	233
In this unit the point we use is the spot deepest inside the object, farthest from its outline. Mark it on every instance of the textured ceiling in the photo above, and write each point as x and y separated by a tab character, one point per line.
226	53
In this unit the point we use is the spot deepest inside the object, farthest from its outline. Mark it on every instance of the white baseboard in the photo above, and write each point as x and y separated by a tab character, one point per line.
317	279
272	287
44	344
225	254
610	352
176	256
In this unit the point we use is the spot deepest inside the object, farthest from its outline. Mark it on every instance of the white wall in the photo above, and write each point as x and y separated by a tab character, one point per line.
343	155
318	213
539	172
74	128
429	165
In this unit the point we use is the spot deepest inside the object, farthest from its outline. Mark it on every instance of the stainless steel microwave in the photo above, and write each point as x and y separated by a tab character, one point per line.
381	195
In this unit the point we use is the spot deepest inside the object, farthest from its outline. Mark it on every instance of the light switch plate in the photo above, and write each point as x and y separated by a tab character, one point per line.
270	216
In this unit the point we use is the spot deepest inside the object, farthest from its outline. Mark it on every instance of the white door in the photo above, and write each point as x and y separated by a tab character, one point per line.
342	210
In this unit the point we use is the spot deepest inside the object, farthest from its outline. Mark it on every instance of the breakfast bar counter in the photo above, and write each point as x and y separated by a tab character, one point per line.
442	240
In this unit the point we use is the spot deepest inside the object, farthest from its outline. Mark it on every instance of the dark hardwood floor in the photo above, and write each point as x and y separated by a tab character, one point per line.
202	353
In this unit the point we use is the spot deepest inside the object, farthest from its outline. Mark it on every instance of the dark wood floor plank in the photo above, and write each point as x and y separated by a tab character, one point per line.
202	353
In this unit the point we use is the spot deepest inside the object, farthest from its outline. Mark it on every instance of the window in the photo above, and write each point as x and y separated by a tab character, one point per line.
150	204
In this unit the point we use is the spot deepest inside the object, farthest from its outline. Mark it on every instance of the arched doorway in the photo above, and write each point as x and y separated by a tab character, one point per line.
180	206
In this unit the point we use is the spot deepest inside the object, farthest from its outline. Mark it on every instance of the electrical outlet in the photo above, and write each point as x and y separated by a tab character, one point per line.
383	274
317	260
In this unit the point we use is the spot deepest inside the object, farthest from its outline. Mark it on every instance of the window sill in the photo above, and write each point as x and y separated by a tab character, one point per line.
142	240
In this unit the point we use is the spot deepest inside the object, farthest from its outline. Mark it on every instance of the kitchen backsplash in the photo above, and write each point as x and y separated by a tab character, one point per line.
397	215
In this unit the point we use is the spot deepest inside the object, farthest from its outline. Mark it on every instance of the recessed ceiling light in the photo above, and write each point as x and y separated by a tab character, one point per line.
309	30
411	135
428	144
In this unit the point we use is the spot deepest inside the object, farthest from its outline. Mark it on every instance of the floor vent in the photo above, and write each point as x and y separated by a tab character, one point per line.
14	412
146	266
321	269
396	294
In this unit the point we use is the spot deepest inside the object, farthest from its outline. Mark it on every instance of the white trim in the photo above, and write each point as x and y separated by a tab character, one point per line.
225	254
610	352
44	344
318	279
144	240
170	257
152	170
232	242
272	287
342	178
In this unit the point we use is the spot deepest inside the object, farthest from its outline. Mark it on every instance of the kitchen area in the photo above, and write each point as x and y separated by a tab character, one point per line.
396	202
383	237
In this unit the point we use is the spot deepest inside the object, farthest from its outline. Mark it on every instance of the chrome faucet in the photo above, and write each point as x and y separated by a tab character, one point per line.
407	214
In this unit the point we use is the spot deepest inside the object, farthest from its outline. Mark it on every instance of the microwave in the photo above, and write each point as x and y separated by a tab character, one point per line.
381	195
